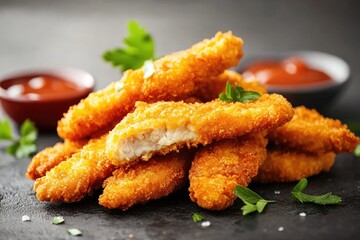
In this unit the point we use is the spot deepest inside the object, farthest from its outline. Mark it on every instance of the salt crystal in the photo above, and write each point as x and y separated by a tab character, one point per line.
25	218
280	229
302	214
206	224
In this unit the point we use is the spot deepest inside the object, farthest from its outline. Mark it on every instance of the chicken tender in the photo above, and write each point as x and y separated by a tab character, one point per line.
50	157
211	89
310	132
220	166
176	76
166	126
288	165
146	180
78	176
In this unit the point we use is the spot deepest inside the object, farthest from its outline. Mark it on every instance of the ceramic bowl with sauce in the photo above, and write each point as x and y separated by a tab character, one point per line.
309	78
43	95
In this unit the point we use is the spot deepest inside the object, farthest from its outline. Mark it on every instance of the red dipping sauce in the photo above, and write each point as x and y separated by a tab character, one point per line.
43	95
40	87
289	72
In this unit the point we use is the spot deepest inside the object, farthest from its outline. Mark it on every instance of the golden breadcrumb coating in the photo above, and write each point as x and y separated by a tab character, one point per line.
78	176
211	89
220	166
176	77
289	165
50	157
309	131
146	181
166	126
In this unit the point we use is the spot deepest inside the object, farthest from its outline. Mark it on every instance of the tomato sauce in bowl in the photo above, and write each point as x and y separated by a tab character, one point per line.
309	78
289	72
43	95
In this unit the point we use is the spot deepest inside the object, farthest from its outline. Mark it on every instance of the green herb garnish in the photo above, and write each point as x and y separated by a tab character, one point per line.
354	127
325	199
74	232
253	201
25	145
58	220
197	217
139	47
357	151
237	94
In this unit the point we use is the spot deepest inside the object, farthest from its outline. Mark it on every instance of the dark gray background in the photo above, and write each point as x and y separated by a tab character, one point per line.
75	33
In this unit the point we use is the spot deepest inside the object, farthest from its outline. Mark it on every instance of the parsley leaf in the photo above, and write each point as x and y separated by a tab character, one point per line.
5	130
253	201
237	94
197	217
325	199
139	47
25	145
354	127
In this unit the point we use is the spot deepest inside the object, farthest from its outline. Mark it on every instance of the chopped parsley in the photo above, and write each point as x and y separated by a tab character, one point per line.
237	94
325	199
253	201
197	217
139	47
25	145
74	232
58	220
357	151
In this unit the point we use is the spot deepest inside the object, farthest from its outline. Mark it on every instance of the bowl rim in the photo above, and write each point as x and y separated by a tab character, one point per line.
304	55
71	74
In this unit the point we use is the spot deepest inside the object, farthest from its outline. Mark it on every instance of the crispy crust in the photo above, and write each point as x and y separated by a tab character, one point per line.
210	121
211	89
176	77
288	165
310	132
220	166
50	157
76	177
146	181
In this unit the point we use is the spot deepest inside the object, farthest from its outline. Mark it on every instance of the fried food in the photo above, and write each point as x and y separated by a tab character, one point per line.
146	181
220	166
176	76
310	132
166	126
78	176
50	157
283	165
211	89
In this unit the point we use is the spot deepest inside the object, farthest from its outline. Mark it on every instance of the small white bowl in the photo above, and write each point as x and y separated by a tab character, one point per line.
313	95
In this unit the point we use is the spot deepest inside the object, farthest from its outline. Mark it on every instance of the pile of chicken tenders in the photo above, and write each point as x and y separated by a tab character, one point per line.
142	138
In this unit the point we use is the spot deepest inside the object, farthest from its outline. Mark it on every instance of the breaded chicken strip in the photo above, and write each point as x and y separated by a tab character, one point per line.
76	177
50	157
220	166
310	132
211	89
166	126
146	181
176	77
288	165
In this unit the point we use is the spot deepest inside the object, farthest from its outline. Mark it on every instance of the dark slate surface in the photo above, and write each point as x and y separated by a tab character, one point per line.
170	218
75	33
